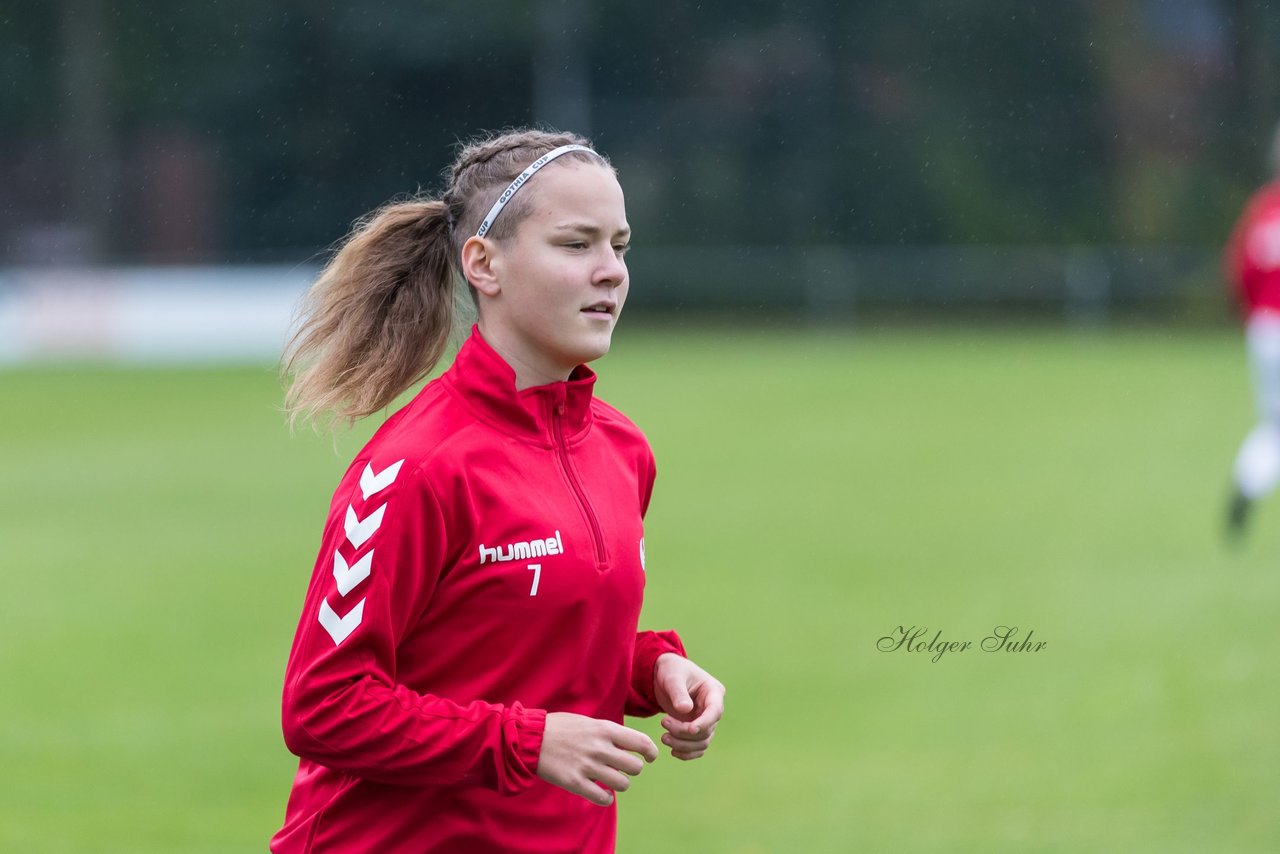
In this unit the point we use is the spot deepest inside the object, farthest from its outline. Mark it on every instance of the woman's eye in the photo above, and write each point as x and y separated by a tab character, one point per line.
621	248
576	244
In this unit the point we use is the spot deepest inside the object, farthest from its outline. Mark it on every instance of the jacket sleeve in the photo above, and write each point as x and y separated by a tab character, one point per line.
641	702
381	555
1234	262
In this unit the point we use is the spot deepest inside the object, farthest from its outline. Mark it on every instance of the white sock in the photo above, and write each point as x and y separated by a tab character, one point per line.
1257	468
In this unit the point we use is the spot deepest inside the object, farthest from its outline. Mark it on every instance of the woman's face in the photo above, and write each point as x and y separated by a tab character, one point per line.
561	279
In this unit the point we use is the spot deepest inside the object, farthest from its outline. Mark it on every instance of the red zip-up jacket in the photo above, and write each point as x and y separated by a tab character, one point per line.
482	565
1252	257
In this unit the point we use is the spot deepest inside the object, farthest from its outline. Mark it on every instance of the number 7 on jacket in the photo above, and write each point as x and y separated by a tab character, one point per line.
537	573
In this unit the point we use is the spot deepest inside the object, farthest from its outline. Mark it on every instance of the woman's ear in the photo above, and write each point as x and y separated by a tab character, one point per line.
478	256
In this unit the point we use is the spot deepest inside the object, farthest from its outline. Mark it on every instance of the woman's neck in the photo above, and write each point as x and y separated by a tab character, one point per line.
529	372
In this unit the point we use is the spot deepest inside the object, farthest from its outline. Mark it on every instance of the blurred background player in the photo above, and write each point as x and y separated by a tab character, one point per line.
1252	266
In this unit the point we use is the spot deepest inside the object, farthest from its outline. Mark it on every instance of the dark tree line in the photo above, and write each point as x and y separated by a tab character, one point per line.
234	130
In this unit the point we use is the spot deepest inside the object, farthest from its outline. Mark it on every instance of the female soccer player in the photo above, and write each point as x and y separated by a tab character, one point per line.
468	644
1252	264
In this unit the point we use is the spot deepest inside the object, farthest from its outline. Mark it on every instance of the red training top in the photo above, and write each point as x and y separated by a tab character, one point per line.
1252	257
482	564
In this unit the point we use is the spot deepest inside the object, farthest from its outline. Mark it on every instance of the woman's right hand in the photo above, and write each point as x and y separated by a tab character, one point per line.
579	752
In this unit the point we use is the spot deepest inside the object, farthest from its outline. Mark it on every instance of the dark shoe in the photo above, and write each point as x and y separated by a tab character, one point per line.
1238	514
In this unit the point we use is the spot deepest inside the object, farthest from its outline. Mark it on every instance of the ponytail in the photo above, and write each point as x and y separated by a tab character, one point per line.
378	318
380	315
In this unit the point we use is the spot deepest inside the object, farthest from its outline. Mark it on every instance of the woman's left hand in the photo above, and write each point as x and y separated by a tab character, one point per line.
694	702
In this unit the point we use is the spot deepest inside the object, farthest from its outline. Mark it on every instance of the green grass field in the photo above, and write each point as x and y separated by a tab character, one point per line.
815	492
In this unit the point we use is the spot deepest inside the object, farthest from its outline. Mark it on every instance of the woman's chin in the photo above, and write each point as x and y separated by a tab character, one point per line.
592	347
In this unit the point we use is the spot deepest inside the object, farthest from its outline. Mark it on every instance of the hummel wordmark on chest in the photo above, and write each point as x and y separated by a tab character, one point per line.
522	550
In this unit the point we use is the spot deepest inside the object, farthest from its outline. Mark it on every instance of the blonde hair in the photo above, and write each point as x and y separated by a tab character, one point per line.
379	317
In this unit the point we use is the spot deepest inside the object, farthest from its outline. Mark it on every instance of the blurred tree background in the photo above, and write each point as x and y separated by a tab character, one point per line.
235	131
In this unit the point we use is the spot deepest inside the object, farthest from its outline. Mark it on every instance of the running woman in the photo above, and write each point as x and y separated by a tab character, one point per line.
468	644
1252	266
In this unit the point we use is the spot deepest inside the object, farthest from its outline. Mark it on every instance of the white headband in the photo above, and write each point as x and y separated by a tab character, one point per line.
520	181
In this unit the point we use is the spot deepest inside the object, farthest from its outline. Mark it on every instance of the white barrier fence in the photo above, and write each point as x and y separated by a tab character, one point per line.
1084	285
148	314
242	313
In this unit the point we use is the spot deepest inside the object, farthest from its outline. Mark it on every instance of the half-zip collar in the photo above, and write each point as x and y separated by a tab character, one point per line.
485	383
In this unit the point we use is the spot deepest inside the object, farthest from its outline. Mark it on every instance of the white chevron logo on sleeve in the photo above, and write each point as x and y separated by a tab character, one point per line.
371	483
339	628
349	576
360	530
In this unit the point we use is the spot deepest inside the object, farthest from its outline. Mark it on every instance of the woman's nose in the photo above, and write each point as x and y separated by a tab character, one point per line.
613	270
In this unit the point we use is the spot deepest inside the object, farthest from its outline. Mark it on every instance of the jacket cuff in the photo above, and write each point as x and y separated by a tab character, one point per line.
642	700
522	731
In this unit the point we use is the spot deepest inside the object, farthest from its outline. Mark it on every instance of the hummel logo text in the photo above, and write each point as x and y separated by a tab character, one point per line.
522	551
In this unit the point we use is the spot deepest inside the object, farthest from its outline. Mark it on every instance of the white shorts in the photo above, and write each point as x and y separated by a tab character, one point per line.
1257	466
1262	335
